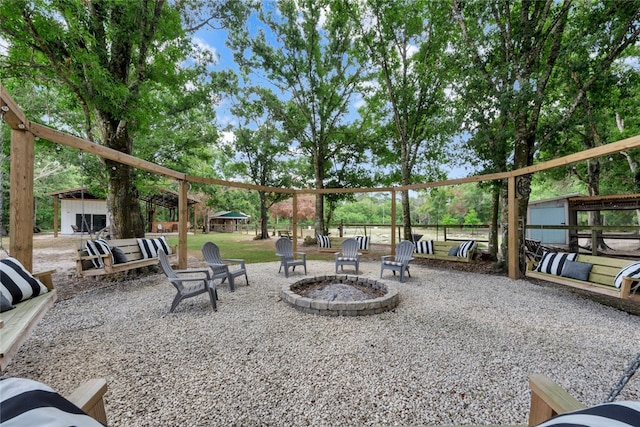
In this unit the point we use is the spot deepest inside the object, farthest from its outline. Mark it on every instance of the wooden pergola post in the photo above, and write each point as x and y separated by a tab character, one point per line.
183	219
294	222
56	209
393	222
512	230
21	198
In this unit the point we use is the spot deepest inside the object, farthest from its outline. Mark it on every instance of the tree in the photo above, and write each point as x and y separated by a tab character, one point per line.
111	56
512	50
405	43
304	51
262	152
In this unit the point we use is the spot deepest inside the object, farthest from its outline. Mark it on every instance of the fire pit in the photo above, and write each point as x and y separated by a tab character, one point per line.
340	296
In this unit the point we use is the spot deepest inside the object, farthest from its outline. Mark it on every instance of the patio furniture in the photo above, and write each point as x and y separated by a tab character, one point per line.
289	258
223	268
400	261
198	281
349	255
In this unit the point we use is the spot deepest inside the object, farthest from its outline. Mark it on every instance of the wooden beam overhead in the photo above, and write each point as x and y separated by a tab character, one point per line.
13	115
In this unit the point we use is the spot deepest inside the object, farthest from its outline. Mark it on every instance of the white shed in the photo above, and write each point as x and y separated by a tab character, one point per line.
81	211
553	211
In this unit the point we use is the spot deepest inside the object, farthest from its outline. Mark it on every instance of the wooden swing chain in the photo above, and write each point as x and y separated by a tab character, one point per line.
622	382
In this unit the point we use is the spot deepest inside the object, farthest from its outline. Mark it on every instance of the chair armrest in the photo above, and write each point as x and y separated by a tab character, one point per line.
549	399
45	278
198	271
89	398
386	257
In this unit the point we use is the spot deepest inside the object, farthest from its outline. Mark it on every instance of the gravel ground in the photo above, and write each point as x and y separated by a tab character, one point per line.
457	350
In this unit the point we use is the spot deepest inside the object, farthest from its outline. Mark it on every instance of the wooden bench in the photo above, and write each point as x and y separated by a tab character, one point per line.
601	277
130	247
285	233
336	246
17	324
441	251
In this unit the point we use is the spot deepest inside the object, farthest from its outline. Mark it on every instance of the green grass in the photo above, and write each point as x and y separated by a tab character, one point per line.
239	245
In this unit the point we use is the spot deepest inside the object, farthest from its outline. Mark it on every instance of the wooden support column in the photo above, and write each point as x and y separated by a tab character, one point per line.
512	230
294	222
393	222
56	209
183	218
21	199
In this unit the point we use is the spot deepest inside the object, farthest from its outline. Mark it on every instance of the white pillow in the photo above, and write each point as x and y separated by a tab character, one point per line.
149	247
324	241
553	262
463	250
614	414
97	247
629	270
16	283
30	403
363	242
424	247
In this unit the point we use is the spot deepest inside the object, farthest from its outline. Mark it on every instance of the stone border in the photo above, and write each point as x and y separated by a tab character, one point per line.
378	305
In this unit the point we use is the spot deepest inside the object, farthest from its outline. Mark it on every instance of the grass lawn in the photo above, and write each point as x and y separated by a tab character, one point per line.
240	245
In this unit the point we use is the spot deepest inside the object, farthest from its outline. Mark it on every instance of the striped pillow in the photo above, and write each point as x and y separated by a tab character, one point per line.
629	270
30	403
363	242
149	247
16	283
97	247
424	247
553	262
615	414
324	241
465	247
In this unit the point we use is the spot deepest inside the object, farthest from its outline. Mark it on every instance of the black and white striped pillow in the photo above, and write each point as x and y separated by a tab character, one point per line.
614	414
424	247
324	241
629	270
26	402
363	242
97	247
16	283
149	247
465	247
553	262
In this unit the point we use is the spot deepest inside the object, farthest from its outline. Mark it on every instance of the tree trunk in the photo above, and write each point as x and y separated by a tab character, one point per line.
264	216
122	200
406	215
495	217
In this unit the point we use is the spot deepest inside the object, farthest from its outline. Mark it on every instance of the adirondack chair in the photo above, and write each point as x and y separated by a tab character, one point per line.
349	255
201	278
400	261
288	258
223	268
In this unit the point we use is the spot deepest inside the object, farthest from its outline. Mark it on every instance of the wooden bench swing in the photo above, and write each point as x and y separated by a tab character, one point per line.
601	277
17	324
130	248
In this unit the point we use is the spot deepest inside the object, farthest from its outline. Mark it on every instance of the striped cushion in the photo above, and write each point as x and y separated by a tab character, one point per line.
324	241
615	414
424	247
149	247
97	247
30	403
346	258
465	248
553	262
396	263
629	270
16	283
363	242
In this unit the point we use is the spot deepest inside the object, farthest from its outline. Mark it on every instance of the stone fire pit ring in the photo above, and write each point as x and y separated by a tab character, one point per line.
382	296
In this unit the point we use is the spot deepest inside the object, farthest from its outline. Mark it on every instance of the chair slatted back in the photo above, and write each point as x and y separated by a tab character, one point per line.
404	250
350	248
166	267
284	247
211	254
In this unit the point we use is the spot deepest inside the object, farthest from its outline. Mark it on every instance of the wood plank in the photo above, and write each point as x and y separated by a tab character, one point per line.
19	322
21	203
549	399
90	398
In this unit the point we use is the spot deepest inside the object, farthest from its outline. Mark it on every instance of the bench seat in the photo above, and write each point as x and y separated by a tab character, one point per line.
17	324
441	252
601	277
130	247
